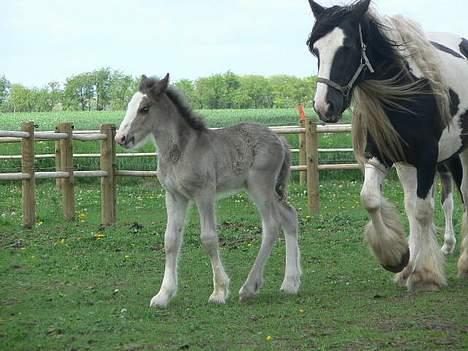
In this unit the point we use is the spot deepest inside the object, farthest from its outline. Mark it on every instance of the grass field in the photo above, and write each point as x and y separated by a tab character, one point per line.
80	287
77	286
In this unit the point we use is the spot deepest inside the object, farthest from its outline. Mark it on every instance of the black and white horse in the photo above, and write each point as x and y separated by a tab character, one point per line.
409	93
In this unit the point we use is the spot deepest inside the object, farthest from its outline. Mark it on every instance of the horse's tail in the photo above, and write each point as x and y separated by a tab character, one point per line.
285	171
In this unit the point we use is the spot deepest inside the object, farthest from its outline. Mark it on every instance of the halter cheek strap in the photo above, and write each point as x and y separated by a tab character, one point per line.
365	64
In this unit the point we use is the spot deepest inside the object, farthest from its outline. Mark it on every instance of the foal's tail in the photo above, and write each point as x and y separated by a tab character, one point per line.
285	171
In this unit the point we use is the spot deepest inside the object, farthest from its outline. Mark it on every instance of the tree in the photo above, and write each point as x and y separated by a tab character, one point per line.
217	91
20	98
188	88
121	89
102	85
79	92
4	89
254	92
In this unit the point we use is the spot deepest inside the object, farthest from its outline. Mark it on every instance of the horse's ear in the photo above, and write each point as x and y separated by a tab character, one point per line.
161	86
317	9
360	9
143	78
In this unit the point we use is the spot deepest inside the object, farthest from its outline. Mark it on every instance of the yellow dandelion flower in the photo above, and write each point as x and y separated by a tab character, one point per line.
269	338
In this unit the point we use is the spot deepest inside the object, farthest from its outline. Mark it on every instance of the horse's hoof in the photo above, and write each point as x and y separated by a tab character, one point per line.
398	268
218	297
424	280
463	275
401	278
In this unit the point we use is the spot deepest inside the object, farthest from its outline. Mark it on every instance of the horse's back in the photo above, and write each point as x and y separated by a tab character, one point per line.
457	45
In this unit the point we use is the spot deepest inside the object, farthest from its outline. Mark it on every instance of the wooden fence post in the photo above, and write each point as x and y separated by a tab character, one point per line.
58	181
66	165
108	184
302	147
29	185
313	187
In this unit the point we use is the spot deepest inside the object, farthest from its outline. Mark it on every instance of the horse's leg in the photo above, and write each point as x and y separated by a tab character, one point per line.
447	205
265	198
289	224
209	238
384	233
425	270
463	260
176	207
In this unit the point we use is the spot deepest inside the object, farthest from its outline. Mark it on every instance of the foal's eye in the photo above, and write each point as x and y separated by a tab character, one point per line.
144	109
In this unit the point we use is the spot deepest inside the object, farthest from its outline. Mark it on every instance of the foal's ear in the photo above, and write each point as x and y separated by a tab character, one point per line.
317	9
359	9
160	87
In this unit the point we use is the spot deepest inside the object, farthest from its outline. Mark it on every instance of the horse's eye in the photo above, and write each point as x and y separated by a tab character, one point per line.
144	109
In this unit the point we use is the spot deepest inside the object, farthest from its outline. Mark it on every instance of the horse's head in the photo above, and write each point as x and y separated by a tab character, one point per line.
337	42
142	112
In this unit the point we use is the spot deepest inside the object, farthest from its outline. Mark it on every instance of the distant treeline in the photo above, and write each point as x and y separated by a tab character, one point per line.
107	89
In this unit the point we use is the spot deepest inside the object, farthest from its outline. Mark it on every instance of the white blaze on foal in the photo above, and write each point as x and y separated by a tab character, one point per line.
132	110
326	48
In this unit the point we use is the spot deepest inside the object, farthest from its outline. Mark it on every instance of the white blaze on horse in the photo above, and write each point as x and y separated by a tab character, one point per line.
409	93
196	164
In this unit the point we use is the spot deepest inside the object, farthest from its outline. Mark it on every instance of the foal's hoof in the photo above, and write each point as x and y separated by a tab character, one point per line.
398	268
159	301
291	285
246	294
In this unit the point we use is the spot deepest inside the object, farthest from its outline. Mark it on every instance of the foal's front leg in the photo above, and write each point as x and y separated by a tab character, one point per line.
209	238
176	207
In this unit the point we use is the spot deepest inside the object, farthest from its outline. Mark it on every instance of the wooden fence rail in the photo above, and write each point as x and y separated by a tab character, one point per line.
64	135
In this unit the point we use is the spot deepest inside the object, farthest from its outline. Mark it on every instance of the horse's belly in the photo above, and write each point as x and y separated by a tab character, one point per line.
450	142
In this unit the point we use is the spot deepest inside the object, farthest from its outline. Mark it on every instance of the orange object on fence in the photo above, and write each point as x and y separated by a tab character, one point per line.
302	115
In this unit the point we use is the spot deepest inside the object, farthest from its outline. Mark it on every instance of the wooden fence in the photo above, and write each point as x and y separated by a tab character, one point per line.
65	174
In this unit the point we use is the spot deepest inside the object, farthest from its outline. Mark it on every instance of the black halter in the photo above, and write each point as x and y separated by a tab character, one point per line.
365	63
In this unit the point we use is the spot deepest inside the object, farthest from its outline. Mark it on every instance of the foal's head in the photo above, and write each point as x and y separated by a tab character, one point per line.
144	111
336	41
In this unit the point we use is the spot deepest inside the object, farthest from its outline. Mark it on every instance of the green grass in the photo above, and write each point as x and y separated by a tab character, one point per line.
74	286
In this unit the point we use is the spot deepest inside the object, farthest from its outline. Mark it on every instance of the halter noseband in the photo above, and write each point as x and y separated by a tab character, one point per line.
365	63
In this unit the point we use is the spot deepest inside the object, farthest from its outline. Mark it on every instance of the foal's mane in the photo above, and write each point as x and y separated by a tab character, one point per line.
400	39
194	120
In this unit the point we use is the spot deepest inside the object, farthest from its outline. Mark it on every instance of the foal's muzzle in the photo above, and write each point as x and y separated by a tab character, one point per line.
124	141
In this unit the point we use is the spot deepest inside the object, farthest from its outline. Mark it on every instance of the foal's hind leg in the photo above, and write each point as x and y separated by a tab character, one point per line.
176	207
265	199
209	238
447	205
289	224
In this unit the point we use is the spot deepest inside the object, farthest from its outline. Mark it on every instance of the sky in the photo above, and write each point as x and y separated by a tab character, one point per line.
50	40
